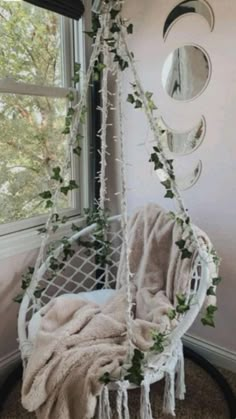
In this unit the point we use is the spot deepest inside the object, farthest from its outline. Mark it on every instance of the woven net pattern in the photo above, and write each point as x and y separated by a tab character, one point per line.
81	272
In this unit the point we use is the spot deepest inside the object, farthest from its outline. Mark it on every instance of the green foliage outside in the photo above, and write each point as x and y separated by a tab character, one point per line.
31	139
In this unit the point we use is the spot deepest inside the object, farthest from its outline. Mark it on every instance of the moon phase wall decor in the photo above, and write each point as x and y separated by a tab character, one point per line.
182	143
186	72
185	75
186	7
186	178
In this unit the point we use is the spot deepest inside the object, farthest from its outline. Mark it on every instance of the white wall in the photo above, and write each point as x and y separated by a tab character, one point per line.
213	199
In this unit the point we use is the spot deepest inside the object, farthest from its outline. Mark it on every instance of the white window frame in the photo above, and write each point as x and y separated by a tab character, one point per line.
12	233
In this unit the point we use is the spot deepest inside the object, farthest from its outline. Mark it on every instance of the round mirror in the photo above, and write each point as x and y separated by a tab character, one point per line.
186	73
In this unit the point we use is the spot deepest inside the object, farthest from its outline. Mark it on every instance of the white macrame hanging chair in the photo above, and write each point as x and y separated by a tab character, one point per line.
81	273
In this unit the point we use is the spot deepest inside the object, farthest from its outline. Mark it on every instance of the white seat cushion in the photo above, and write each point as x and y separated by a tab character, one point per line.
97	296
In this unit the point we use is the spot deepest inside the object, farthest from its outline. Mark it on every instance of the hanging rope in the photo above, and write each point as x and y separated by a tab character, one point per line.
124	218
105	108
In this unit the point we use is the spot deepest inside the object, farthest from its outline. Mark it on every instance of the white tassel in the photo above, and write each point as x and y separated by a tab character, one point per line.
169	394
145	405
104	410
107	409
100	405
119	402
122	400
180	379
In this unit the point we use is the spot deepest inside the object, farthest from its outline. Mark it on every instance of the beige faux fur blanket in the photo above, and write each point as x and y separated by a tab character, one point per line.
79	341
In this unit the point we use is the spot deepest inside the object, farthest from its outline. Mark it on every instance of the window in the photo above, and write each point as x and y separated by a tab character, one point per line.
37	52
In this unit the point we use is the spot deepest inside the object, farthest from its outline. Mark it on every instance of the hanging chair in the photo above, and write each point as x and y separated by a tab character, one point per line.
82	275
96	254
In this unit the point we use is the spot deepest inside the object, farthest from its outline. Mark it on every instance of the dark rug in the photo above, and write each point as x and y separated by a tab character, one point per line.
204	399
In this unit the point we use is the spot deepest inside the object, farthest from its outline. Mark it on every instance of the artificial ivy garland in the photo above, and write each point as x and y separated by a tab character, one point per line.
115	41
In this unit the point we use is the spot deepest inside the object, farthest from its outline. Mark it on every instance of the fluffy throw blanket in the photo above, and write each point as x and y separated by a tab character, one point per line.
79	341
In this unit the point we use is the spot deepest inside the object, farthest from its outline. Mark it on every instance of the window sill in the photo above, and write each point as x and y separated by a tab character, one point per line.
27	240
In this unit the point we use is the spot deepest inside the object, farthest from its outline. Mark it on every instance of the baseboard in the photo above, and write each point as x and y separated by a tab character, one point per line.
7	364
217	355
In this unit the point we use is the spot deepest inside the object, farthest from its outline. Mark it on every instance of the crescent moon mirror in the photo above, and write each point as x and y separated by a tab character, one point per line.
186	178
182	143
186	7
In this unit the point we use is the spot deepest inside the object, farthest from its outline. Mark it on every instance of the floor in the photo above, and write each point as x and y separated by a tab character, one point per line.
203	400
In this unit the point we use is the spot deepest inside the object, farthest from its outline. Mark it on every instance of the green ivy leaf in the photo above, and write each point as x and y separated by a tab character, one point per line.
158	342
70	112
181	298
76	78
182	308
77	150
45	195
72	185
123	64
167	184
70	96
42	230
64	219
211	310
55	218
130	98
186	254
211	291
114	13
114	28
38	292
100	67
171	314
77	67
57	174
170	163
180	244
49	204
55	227
74	227
216	281
18	299
208	321
91	34
169	194
148	95
130	28
157	163
66	130
135	372
105	379
138	104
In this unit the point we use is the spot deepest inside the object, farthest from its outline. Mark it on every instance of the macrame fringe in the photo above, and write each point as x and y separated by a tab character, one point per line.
122	400
104	409
180	378
145	404
169	394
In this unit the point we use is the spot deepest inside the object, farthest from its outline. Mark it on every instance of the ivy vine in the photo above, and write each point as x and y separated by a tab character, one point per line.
61	185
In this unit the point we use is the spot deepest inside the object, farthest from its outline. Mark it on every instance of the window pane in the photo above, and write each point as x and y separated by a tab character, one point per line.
30	44
31	143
